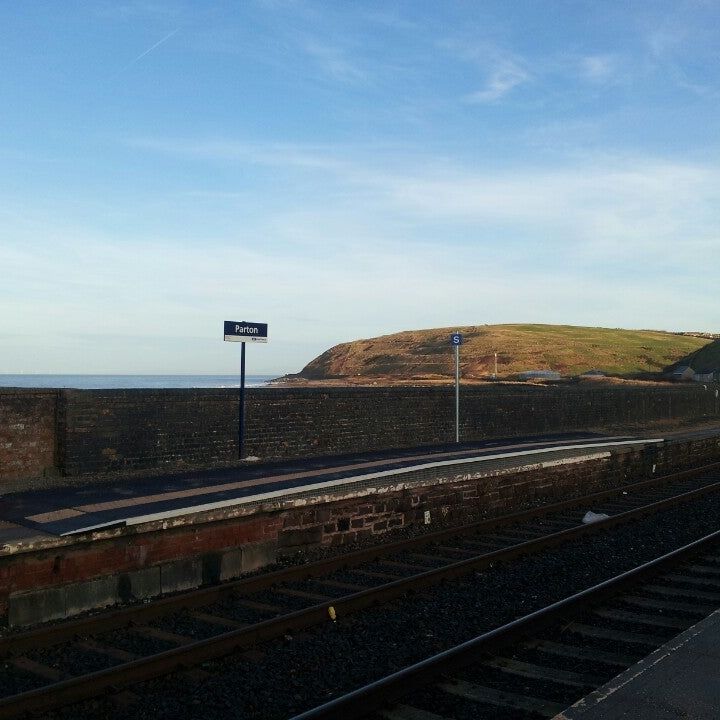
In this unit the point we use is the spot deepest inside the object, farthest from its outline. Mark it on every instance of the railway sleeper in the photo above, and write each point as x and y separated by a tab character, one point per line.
696	608
577	652
540	672
501	698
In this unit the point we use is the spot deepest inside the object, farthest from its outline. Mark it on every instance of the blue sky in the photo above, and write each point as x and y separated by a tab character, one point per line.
344	170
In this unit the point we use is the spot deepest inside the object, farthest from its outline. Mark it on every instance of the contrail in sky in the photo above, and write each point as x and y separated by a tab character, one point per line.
152	47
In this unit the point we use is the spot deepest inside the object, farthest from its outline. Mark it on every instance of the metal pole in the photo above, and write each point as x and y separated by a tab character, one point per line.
457	393
241	419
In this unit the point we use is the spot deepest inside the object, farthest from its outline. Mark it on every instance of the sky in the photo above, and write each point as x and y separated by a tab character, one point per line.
343	170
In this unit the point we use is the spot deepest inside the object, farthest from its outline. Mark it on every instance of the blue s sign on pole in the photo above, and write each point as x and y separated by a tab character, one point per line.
456	340
243	332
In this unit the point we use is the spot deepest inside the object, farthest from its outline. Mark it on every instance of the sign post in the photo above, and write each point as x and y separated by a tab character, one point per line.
243	332
456	340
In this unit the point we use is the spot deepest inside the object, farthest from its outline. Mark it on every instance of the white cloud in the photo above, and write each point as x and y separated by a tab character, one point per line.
665	39
639	185
404	244
597	203
502	70
274	154
334	63
501	80
599	68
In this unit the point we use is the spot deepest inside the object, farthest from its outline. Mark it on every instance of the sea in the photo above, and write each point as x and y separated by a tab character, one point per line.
126	382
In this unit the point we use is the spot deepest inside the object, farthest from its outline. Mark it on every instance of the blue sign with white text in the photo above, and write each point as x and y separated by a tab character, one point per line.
456	339
245	331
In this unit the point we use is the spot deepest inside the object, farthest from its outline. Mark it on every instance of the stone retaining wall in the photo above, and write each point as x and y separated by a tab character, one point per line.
79	432
28	433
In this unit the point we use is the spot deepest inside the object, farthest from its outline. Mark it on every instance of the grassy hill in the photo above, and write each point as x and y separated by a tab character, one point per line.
570	350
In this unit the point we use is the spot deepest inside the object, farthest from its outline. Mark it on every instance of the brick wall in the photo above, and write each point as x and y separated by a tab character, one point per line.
97	431
27	433
107	430
136	429
467	498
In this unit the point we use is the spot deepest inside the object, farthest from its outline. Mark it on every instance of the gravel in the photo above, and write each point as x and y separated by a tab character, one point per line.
13	680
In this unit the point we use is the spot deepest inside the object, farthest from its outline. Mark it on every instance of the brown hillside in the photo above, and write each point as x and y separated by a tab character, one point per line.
570	350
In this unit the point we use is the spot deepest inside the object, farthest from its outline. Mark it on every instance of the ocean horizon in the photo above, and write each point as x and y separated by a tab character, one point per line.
130	382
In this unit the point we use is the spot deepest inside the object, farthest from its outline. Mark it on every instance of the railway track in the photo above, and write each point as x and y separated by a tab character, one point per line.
190	629
556	655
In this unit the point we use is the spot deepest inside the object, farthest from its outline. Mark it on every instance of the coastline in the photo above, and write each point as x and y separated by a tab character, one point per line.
295	381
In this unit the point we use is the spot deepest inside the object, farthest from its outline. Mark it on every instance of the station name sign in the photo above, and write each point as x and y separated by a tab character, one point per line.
246	331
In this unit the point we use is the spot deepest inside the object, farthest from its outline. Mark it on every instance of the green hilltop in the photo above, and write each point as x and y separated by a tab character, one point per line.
567	349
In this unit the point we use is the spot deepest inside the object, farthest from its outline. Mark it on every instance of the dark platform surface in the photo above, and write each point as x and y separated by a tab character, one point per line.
679	680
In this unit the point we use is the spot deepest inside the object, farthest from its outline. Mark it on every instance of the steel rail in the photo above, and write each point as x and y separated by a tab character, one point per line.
370	698
86	686
123	617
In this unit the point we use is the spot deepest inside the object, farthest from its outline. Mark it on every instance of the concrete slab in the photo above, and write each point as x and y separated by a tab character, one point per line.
257	555
36	606
140	584
679	680
181	575
231	565
97	593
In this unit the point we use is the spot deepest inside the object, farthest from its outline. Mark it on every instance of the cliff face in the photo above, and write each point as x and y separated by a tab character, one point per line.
570	350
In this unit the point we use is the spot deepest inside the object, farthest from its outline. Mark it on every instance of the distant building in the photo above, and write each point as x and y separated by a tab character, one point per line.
682	373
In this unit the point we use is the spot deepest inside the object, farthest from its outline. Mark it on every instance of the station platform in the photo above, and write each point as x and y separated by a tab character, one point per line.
36	516
681	679
97	542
